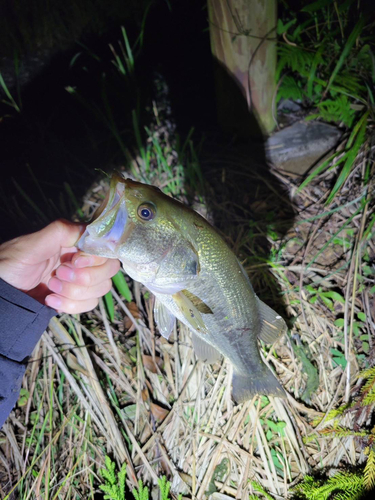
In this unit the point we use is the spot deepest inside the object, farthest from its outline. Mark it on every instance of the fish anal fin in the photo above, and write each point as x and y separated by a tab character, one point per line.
190	312
163	318
272	325
205	351
199	304
245	387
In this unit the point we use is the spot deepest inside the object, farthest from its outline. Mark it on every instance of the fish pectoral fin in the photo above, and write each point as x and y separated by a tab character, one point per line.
272	325
199	304
181	263
205	351
164	319
190	312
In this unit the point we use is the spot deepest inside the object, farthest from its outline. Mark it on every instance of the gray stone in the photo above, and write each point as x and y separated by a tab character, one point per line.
299	147
288	105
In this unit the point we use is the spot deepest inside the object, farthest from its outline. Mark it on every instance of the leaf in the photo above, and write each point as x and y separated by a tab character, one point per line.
315	6
122	286
340	362
164	487
361	316
335	296
337	110
159	413
108	301
355	131
128	323
320	169
24	396
352	155
317	60
369	472
296	58
326	301
289	89
129	412
151	364
349	44
283	28
258	487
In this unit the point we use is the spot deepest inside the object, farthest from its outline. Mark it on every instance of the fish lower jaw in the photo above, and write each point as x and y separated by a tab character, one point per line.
95	246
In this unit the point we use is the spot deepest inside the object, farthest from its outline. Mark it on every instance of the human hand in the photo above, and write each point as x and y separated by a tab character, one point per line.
47	261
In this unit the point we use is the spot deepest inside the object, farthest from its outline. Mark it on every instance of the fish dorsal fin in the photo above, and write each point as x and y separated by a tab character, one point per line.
190	312
205	351
163	318
199	304
272	324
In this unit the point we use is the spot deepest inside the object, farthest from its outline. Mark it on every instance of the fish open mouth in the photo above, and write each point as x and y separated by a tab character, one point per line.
104	233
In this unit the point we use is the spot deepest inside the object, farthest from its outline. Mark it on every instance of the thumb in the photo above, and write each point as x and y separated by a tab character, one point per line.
51	239
61	233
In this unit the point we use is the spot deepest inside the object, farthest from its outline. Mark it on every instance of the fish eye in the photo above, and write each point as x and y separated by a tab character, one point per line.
146	211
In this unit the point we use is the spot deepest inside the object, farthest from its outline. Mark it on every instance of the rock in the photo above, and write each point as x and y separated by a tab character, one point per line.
299	147
288	105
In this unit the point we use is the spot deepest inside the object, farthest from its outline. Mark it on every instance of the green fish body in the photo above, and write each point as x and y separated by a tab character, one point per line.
194	276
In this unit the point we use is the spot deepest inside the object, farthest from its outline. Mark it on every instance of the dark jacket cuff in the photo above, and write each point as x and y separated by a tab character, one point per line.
11	374
23	320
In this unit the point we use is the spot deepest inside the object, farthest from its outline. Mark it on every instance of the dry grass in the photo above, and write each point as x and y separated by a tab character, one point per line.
96	387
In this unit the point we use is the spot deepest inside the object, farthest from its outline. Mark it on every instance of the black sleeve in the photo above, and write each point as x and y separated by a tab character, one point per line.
22	322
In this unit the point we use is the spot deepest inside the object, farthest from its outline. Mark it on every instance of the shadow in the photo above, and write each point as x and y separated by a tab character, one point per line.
57	140
56	146
245	201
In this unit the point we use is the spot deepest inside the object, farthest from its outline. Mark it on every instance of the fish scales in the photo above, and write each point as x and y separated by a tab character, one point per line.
194	276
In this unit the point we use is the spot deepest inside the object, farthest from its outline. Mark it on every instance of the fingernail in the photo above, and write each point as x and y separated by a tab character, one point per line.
53	301
55	285
84	262
66	273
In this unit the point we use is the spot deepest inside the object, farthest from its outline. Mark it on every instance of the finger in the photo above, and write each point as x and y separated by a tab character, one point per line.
63	304
88	276
81	259
77	292
50	240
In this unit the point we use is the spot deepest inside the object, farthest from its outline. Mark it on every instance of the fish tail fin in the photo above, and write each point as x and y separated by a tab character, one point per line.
245	387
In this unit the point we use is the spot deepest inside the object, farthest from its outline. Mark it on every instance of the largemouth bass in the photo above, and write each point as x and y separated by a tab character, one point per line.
194	276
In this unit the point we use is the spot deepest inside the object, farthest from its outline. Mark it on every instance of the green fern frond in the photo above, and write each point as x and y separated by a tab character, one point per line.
369	373
337	110
142	493
336	412
369	399
164	486
289	89
369	472
114	487
109	472
339	431
295	58
350	81
259	487
368	389
335	432
342	486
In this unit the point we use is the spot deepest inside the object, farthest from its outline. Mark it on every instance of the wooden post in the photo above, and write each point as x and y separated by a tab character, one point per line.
244	65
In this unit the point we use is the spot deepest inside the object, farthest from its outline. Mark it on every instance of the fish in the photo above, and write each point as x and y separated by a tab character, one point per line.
194	275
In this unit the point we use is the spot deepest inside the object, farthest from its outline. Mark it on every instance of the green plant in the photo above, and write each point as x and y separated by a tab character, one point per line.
346	485
258	487
341	486
114	486
327	63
